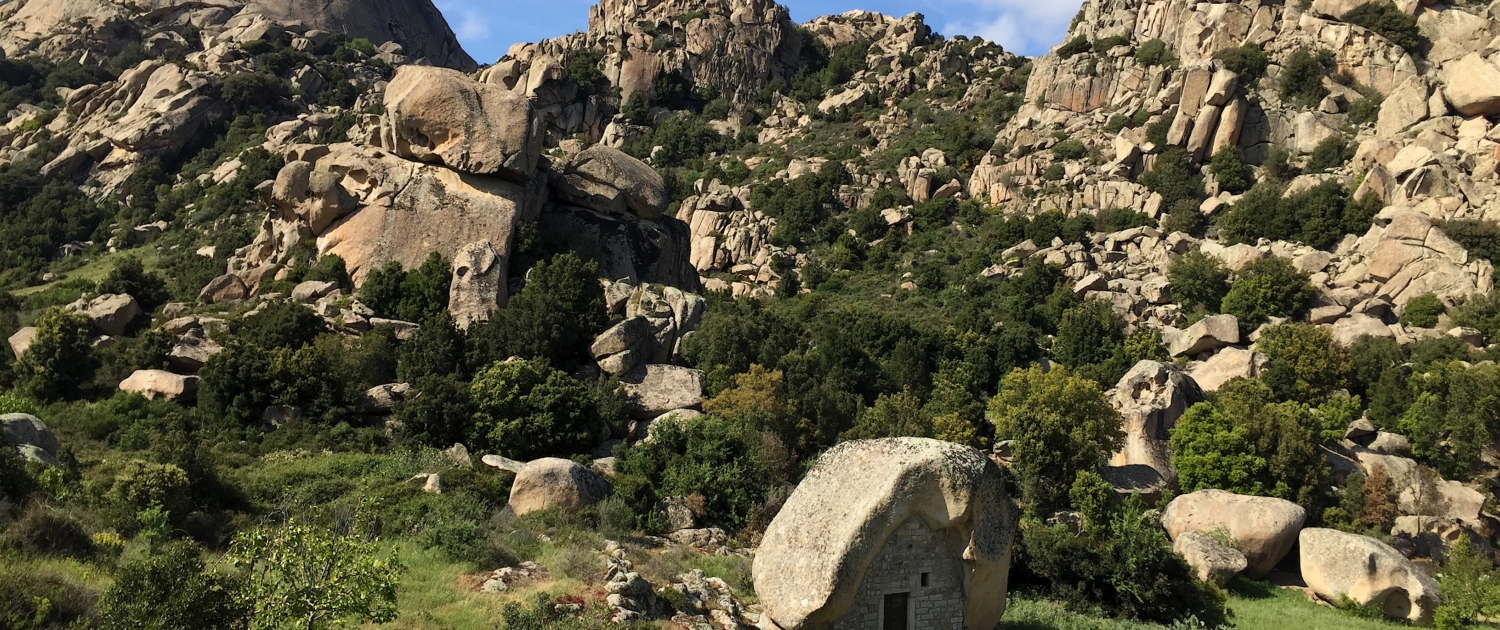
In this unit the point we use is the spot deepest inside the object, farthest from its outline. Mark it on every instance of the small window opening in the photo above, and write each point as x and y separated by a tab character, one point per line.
926	577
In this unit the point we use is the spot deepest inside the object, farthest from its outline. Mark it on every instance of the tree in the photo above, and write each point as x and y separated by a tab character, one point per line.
280	325
1247	444
236	383
730	465
1305	363
1088	334
1266	288
1423	311
131	278
1174	178
171	589
527	410
1228	167
442	415
313	575
1199	281
759	399
555	317
898	415
60	359
437	349
1470	585
1061	424
1301	79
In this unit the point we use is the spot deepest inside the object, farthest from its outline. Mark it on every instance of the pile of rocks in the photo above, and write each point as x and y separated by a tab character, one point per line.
630	596
506	578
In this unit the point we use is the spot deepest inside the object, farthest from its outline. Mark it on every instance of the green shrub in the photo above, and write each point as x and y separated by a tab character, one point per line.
436	349
1245	443
1228	167
1470	585
236	383
1330	154
898	415
46	530
131	278
1248	61
1266	288
171	589
1074	47
1278	164
1301	79
1055	172
60	359
1185	217
280	325
1423	311
392	292
140	486
1389	22
1305	363
1104	44
15	483
1089	333
254	92
1319	216
1199	281
1480	238
555	316
729	465
1061	424
1174	178
1153	52
33	599
1157	132
1366	110
1071	149
1121	565
526	410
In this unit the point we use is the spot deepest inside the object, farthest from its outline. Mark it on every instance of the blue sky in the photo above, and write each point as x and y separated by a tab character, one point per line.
487	28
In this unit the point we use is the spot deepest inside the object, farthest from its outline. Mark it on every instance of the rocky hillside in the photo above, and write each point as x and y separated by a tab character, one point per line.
294	260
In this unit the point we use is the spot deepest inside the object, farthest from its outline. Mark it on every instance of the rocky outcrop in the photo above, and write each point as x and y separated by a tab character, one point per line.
1151	398
606	180
416	26
657	389
162	384
478	285
1340	566
20	342
442	116
23	430
634	250
815	556
111	313
656	320
1264	529
556	483
1213	561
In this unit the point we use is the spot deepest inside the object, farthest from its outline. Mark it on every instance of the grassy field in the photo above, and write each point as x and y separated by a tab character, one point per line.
1256	607
95	269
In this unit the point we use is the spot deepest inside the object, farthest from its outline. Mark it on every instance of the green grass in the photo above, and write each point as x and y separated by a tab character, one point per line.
96	269
1256	606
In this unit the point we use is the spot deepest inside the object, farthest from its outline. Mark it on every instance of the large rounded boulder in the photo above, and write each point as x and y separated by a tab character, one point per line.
444	116
873	515
1340	566
556	483
1263	528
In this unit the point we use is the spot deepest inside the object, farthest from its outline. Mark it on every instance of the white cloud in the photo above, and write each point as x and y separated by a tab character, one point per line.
468	22
1021	26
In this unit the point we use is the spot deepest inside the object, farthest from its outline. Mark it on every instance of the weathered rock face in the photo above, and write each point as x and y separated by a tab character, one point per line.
827	551
1210	333
417	25
1338	565
155	384
111	314
556	483
20	342
1264	528
657	389
607	180
24	429
1151	398
478	285
1212	561
443	116
1229	364
1421	491
637	251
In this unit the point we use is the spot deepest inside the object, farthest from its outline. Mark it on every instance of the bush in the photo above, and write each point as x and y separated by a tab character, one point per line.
1423	311
236	383
1470	585
1481	238
1055	172
15	483
392	292
729	464
1069	150
248	93
526	410
1228	167
1248	61
1153	52
1199	281
1366	110
898	415
1174	178
436	349
442	415
1088	334
31	599
280	325
1266	288
1074	46
1185	217
555	317
171	589
60	359
1330	154
1121	565
1388	21
1245	443
1305	363
1061	424
1301	78
131	278
1319	216
1104	44
44	529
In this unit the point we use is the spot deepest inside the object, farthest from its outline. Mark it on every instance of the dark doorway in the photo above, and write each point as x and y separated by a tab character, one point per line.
895	611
